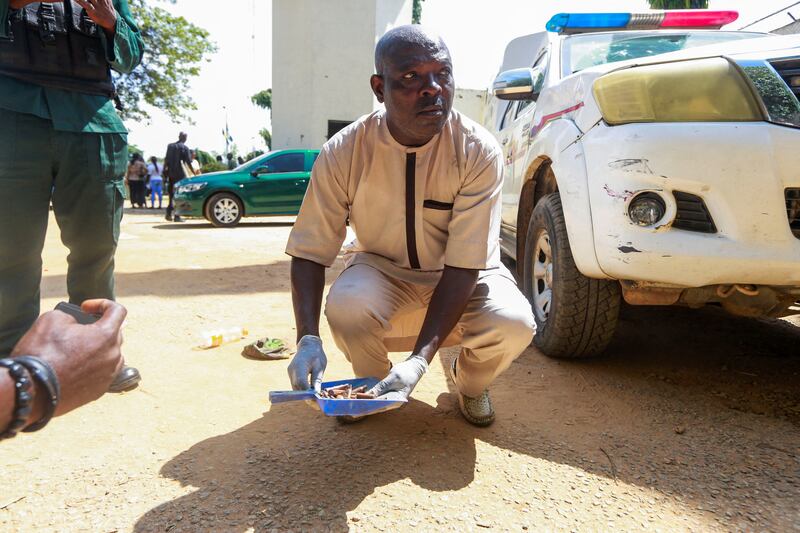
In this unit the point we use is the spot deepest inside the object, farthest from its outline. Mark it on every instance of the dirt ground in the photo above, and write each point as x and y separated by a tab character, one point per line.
691	422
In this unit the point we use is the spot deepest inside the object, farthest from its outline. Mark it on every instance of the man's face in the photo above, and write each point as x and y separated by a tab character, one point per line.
417	90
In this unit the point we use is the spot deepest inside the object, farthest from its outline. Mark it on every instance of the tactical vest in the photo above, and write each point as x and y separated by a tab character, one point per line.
56	45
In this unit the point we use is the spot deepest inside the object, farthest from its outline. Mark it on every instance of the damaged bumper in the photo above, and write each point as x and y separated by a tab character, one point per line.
741	174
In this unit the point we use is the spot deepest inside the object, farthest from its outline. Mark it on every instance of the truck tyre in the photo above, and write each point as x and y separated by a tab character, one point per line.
224	210
575	316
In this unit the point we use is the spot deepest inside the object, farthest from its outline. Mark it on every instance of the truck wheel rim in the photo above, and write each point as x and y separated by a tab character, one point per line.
226	210
542	277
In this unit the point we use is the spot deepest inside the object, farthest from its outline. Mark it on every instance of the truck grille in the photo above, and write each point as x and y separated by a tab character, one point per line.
692	214
789	70
793	210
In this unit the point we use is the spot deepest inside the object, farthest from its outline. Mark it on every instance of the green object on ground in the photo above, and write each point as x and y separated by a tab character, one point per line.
266	349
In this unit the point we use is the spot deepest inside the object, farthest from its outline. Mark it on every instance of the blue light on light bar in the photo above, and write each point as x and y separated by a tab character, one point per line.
587	22
567	21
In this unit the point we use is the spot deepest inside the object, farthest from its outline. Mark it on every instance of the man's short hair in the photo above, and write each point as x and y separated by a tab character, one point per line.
411	34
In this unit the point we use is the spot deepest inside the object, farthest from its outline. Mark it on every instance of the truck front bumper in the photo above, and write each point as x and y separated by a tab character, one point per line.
741	171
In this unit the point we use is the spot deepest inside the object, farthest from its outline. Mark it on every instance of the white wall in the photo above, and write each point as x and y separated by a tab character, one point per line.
472	103
321	64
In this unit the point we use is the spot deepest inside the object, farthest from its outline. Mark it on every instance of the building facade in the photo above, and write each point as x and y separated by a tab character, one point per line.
322	59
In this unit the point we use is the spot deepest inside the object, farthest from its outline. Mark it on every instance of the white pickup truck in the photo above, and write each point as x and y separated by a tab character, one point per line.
650	157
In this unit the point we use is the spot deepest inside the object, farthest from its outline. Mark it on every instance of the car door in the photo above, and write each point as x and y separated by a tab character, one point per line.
506	134
518	132
300	192
277	184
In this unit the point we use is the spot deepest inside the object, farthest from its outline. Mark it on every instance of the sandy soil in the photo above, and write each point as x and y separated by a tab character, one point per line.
692	421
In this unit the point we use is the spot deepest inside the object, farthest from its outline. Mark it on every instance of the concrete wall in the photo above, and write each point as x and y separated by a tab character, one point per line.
471	102
322	58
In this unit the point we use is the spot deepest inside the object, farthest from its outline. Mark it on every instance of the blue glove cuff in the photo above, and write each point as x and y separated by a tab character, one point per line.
309	339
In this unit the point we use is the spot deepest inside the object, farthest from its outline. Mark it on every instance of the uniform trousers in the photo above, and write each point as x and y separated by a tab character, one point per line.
82	175
370	313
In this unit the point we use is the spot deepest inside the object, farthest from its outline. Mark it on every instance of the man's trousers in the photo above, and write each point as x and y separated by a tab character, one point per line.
81	174
370	313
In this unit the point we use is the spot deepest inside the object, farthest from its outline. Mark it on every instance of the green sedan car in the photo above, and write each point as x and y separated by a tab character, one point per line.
272	184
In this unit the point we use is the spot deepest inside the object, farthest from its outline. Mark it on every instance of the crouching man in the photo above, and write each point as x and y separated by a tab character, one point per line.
420	184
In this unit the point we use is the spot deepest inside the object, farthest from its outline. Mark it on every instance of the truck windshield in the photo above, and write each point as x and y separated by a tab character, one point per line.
591	49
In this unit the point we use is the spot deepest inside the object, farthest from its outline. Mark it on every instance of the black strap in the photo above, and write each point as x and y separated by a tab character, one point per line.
46	376
411	232
47	22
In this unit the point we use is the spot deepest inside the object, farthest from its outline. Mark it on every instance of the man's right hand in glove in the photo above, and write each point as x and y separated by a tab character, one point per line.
309	360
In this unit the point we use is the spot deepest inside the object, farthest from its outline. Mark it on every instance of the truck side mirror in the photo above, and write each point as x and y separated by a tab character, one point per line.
519	84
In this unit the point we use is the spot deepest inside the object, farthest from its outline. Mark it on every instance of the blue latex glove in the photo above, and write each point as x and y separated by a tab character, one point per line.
402	378
309	359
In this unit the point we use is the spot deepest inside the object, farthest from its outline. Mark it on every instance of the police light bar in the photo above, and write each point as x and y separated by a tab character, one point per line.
589	22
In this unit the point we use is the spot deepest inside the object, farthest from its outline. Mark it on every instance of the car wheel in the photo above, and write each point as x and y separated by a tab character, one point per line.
575	316
224	210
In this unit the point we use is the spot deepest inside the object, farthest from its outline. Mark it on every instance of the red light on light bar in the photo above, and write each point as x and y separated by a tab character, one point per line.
698	19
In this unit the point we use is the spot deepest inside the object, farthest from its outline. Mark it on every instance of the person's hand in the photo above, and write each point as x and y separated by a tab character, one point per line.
86	358
102	12
309	359
403	377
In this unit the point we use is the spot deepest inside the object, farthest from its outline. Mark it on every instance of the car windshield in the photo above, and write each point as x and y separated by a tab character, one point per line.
591	49
253	162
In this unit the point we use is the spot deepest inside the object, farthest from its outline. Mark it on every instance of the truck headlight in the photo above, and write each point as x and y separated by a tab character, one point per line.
702	90
191	187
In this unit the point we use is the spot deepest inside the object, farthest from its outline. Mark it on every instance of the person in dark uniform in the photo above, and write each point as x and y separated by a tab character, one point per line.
177	153
61	141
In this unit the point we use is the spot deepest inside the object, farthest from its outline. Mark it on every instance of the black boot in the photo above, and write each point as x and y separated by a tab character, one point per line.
127	379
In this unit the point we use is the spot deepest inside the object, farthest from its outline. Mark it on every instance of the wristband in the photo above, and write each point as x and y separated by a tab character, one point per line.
23	398
44	374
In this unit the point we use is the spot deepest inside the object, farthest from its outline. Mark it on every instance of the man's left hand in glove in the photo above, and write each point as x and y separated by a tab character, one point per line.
402	378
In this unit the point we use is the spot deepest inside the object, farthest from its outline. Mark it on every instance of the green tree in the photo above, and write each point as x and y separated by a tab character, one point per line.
678	4
263	99
416	12
267	136
133	149
174	52
203	157
253	154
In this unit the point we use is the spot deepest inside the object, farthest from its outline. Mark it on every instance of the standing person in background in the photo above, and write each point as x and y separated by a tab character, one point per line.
156	182
231	162
195	166
135	178
61	140
177	154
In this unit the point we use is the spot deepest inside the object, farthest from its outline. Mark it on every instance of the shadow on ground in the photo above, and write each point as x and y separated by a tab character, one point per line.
207	225
181	282
696	405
